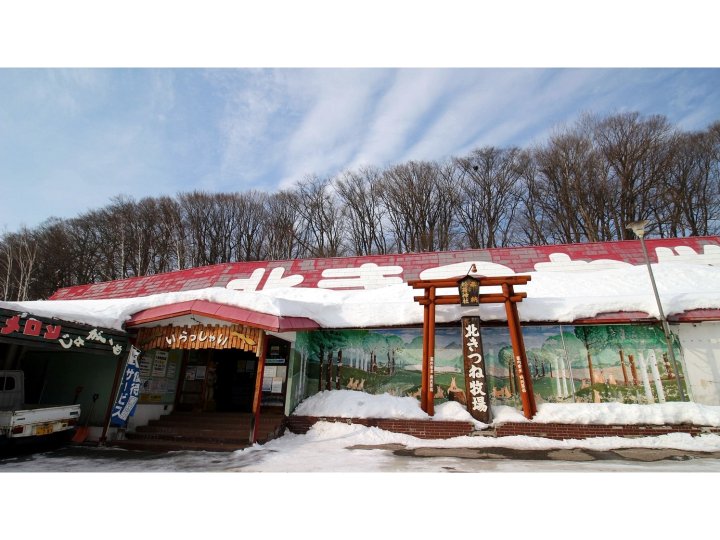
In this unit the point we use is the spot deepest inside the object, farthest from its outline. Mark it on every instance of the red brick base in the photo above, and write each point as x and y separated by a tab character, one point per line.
422	429
439	429
584	431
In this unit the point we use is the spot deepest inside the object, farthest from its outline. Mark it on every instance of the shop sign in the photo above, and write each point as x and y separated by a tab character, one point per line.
29	330
200	337
478	403
129	394
469	290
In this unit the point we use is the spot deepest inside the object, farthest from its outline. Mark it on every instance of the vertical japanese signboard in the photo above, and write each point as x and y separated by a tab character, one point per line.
478	403
129	390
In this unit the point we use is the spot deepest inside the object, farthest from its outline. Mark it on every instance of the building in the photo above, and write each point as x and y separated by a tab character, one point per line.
256	338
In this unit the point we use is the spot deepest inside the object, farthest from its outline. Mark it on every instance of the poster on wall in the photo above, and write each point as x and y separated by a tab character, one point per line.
200	372
171	369
159	367
190	373
568	364
146	366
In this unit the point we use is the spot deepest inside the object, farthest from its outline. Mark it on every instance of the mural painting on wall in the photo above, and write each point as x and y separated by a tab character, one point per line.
568	364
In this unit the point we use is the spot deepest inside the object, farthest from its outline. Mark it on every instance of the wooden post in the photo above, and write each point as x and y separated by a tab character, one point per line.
119	368
257	398
431	356
425	358
527	395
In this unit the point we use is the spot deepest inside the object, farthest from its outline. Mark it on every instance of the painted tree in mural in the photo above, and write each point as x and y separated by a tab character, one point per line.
554	349
324	346
506	357
394	344
595	339
649	363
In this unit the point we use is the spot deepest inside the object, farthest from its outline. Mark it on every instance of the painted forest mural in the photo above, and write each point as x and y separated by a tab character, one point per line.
571	364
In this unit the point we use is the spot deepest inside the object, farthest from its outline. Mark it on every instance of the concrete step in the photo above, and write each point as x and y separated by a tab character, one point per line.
190	430
161	445
175	423
190	437
218	434
201	431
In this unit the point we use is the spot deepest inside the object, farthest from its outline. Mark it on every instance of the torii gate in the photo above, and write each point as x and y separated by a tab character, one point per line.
508	296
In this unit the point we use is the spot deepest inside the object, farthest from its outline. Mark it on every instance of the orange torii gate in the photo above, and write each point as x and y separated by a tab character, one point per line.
508	296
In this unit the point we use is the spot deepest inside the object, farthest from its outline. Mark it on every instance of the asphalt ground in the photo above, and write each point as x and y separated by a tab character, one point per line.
575	454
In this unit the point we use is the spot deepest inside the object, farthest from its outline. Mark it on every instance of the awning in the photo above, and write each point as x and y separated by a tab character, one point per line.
230	314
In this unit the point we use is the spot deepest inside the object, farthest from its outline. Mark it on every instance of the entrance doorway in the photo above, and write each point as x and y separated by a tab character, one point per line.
217	380
236	374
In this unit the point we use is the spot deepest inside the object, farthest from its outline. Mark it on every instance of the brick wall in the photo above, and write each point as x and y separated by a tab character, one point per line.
584	431
422	429
434	429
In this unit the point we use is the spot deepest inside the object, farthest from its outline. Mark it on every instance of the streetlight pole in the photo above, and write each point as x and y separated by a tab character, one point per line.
638	227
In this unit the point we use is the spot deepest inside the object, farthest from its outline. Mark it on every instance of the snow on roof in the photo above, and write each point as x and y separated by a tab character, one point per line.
551	297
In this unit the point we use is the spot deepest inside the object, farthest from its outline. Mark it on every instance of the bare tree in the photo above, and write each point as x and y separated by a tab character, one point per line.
320	229
281	238
360	193
637	154
690	196
420	203
491	186
575	189
253	218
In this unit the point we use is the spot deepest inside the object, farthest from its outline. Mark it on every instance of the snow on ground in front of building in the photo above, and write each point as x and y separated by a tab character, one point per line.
551	296
355	404
321	448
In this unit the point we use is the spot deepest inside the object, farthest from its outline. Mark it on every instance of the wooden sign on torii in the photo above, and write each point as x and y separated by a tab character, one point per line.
508	297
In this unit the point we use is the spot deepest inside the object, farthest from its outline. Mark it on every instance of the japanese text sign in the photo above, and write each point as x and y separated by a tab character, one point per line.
478	403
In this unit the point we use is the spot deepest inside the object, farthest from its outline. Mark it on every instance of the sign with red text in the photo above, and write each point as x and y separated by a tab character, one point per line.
26	329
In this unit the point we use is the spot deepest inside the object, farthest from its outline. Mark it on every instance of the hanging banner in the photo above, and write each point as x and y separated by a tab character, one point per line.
129	390
478	403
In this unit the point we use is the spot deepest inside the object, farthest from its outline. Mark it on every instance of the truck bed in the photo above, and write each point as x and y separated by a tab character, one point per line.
38	420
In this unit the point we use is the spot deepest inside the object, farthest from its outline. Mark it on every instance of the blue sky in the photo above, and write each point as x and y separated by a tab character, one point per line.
70	139
97	101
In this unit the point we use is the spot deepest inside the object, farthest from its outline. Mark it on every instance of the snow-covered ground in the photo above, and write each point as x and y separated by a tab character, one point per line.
337	499
355	404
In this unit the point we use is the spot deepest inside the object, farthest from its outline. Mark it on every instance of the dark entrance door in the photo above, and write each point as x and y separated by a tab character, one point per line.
235	380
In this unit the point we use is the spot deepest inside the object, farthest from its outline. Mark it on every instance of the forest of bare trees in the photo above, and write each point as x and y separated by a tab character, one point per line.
583	184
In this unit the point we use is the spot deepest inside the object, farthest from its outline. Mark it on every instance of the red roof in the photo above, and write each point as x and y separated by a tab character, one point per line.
328	273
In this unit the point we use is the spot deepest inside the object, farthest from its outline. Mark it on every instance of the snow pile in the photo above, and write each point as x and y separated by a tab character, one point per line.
344	435
551	296
355	404
624	413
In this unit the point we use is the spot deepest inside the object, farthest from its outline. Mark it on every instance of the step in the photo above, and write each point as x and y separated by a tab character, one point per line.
190	438
244	424
159	445
188	430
